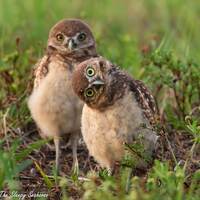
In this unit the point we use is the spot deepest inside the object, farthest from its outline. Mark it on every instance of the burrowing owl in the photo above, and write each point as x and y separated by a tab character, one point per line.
53	104
117	110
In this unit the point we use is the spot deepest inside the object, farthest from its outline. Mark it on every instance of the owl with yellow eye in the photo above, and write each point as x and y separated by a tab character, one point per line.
54	106
115	111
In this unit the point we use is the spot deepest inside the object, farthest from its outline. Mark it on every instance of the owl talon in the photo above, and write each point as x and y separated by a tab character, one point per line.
75	167
110	172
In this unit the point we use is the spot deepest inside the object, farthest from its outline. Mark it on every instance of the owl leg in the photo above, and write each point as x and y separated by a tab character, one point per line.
74	143
57	146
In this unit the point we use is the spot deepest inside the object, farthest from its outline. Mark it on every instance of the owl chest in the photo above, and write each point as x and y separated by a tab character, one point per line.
116	123
55	92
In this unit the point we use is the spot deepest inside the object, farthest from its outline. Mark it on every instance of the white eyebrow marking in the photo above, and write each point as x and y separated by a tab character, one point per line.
66	39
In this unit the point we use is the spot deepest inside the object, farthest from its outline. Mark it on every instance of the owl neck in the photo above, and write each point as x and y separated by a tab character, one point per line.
117	84
116	87
84	54
76	57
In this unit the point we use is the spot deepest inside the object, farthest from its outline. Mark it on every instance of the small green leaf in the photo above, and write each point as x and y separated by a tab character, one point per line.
47	181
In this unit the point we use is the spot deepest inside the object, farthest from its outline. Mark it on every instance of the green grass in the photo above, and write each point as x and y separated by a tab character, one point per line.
156	41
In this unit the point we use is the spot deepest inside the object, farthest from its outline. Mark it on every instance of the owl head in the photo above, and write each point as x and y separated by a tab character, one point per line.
92	82
72	38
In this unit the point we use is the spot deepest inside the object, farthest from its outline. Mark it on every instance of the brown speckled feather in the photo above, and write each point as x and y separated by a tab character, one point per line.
145	100
121	79
40	70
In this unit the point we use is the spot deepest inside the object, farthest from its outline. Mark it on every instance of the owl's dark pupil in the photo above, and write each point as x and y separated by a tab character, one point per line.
90	72
60	37
82	37
89	92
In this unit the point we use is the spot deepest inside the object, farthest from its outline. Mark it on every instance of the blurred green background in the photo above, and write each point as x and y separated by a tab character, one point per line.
121	27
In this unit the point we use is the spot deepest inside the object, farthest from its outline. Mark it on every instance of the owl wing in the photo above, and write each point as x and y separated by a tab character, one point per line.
145	100
40	70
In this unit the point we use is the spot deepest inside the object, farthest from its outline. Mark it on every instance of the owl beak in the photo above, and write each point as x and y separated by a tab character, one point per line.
72	44
98	82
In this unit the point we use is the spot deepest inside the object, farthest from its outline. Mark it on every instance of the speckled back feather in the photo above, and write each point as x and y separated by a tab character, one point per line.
142	94
145	100
40	70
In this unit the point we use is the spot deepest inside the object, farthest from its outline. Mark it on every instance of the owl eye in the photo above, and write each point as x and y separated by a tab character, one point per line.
90	71
89	92
60	37
81	37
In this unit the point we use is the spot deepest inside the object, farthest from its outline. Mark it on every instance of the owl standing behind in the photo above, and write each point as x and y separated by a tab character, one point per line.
117	110
53	105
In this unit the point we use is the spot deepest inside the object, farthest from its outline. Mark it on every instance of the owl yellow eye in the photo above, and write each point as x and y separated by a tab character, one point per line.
89	92
90	71
60	37
81	37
